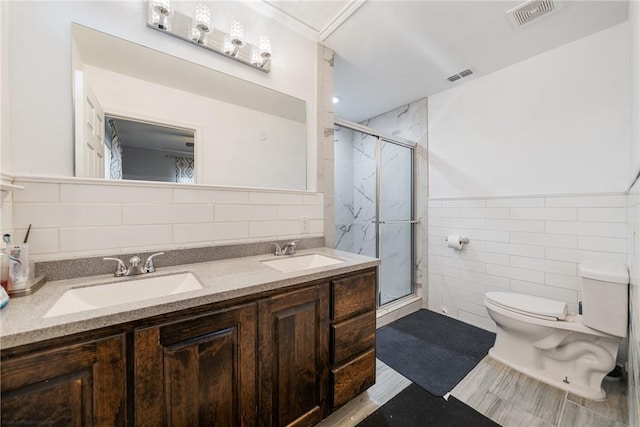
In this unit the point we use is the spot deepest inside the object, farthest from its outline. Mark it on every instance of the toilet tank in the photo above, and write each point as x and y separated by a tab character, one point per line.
605	295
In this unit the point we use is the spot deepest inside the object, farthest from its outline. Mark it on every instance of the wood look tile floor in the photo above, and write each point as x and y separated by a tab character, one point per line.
507	397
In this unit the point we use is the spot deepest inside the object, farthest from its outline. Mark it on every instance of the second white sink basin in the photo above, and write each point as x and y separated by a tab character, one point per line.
91	297
301	262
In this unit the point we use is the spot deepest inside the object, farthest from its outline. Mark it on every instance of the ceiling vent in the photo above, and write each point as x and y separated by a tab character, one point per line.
530	11
459	75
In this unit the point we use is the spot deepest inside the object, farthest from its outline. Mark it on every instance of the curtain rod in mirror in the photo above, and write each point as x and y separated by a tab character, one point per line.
199	31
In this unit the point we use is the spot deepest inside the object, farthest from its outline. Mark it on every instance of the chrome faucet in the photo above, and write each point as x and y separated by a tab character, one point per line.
287	249
134	265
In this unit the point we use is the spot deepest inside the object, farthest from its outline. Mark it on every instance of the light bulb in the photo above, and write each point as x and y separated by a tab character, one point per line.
227	46
256	59
264	47
163	7
203	18
236	33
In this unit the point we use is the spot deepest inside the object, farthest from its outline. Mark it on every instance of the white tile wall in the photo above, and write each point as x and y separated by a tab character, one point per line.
80	219
528	244
633	224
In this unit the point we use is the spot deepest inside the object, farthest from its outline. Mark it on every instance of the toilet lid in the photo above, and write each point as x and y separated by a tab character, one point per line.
529	305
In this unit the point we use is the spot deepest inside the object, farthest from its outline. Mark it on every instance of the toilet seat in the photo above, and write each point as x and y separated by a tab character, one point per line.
529	305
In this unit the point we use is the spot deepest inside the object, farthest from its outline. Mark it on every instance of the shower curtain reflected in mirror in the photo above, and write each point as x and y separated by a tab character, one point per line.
374	206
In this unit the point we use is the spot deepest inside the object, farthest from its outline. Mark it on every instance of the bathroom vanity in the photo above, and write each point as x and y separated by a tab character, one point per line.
255	346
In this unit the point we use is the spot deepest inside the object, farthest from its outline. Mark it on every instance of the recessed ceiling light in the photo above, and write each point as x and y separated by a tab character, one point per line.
336	99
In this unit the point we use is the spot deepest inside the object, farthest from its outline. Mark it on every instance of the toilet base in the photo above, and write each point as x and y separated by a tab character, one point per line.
547	378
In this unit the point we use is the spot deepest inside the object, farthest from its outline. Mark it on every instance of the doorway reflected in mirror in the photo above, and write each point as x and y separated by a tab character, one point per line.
147	151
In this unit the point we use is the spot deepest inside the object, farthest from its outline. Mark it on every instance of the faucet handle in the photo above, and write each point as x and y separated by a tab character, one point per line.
292	246
278	248
121	269
148	264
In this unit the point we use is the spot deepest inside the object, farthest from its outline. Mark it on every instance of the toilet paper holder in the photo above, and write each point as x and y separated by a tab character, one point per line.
464	240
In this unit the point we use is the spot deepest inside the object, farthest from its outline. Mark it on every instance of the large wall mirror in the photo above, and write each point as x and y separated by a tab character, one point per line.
161	118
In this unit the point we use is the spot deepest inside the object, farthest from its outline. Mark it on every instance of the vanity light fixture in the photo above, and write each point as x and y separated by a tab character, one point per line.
202	23
162	8
200	31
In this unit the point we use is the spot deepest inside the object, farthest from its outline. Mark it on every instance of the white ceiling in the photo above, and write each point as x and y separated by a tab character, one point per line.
389	53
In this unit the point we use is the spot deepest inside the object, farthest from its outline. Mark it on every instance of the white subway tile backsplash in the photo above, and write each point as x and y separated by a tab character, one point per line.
273	228
205	196
579	255
444	212
602	229
463	223
88	193
256	198
487	257
602	214
516	273
210	232
37	193
166	214
479	321
464	203
65	215
516	249
434	204
540	239
484	213
562	281
295	212
230	213
524	202
112	238
41	241
551	292
516	225
559	267
604	244
586	201
485	235
313	199
558	214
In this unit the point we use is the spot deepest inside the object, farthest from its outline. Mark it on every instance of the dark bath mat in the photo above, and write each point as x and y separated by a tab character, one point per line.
432	350
414	407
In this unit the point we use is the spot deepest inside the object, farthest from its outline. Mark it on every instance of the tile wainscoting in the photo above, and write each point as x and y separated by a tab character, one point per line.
531	245
633	230
78	218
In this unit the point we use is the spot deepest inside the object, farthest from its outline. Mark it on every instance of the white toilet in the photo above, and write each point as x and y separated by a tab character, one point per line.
540	338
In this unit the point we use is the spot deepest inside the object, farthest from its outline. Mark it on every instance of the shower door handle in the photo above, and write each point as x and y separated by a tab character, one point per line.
408	221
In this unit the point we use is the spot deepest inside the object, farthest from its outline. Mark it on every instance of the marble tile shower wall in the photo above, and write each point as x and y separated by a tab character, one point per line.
355	188
633	233
528	244
75	220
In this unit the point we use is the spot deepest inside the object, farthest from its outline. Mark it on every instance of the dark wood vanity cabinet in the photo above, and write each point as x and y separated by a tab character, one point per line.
200	371
293	342
287	358
81	384
353	336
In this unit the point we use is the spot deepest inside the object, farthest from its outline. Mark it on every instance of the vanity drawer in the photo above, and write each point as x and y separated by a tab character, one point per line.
353	378
353	337
353	295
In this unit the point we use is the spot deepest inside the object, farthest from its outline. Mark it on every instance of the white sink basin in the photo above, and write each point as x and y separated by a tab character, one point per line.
301	262
91	297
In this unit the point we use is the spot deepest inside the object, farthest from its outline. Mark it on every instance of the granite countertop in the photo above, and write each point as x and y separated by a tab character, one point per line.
23	321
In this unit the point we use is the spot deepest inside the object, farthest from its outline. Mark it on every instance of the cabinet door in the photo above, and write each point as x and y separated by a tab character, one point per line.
293	342
76	385
200	371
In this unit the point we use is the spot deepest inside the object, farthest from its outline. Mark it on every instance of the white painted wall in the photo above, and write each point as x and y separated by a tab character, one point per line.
634	54
557	123
40	69
229	151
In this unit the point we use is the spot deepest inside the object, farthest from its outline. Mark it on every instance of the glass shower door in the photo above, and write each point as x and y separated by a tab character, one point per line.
374	205
396	221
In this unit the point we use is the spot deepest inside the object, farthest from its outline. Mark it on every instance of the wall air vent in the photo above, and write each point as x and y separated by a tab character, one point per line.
530	11
459	75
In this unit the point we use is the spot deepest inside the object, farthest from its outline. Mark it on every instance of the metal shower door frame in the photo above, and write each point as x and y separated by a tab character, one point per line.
380	137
